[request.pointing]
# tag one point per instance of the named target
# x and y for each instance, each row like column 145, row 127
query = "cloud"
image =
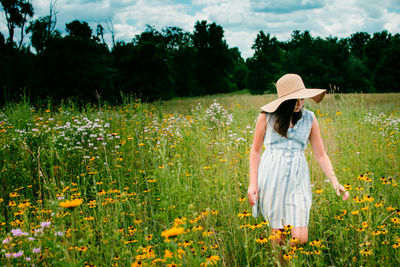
column 285, row 6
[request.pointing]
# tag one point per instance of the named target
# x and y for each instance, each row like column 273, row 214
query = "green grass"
column 141, row 169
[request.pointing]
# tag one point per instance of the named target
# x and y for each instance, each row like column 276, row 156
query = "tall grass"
column 182, row 165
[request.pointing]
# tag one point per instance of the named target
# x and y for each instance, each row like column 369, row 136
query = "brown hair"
column 283, row 114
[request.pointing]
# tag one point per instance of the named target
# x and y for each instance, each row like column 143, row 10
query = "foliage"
column 160, row 65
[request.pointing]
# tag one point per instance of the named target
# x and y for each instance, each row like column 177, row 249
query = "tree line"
column 173, row 62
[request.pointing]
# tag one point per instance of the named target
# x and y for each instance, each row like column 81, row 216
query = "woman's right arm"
column 258, row 140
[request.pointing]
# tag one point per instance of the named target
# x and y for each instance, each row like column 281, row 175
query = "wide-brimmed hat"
column 291, row 86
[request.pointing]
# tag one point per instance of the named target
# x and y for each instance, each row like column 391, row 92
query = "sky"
column 240, row 19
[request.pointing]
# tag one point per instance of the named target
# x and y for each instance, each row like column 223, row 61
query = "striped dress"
column 283, row 175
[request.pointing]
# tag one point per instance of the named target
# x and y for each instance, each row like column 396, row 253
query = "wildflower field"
column 165, row 184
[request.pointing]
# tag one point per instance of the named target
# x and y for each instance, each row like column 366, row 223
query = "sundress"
column 283, row 175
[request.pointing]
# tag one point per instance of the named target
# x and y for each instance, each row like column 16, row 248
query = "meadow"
column 165, row 184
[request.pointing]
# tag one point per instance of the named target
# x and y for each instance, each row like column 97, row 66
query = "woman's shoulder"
column 308, row 114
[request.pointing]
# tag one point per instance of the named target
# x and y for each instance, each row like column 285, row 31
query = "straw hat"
column 291, row 86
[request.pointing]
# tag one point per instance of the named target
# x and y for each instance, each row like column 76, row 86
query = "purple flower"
column 7, row 240
column 31, row 238
column 8, row 255
column 18, row 232
column 28, row 259
column 39, row 231
column 58, row 233
column 45, row 224
column 17, row 254
column 36, row 250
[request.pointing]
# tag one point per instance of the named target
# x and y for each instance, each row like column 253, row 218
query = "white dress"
column 283, row 175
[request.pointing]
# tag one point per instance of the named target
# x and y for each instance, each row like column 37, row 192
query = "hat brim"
column 316, row 94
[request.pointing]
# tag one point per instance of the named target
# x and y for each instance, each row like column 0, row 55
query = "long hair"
column 283, row 115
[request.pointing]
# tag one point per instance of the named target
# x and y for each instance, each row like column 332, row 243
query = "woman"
column 280, row 181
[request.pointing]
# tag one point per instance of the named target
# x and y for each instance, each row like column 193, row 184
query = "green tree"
column 386, row 73
column 357, row 42
column 42, row 30
column 74, row 66
column 142, row 67
column 79, row 29
column 214, row 64
column 265, row 67
column 16, row 13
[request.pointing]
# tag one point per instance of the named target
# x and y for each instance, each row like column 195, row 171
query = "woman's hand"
column 252, row 194
column 339, row 189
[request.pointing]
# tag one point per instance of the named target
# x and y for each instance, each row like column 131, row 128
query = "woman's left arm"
column 323, row 159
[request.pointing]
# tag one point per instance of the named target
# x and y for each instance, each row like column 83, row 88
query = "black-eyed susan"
column 137, row 264
column 255, row 226
column 262, row 240
column 368, row 198
column 366, row 252
column 208, row 233
column 172, row 232
column 376, row 232
column 210, row 260
column 287, row 257
column 395, row 220
column 396, row 245
column 382, row 226
column 338, row 217
column 347, row 187
column 385, row 242
column 70, row 204
column 244, row 214
column 185, row 243
column 168, row 254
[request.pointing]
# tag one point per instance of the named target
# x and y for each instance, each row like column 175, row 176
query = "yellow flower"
column 137, row 263
column 168, row 254
column 368, row 198
column 395, row 220
column 376, row 232
column 287, row 257
column 71, row 203
column 172, row 232
column 396, row 245
column 207, row 233
column 262, row 240
column 244, row 214
column 319, row 191
column 211, row 260
column 366, row 252
column 355, row 212
column 254, row 226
